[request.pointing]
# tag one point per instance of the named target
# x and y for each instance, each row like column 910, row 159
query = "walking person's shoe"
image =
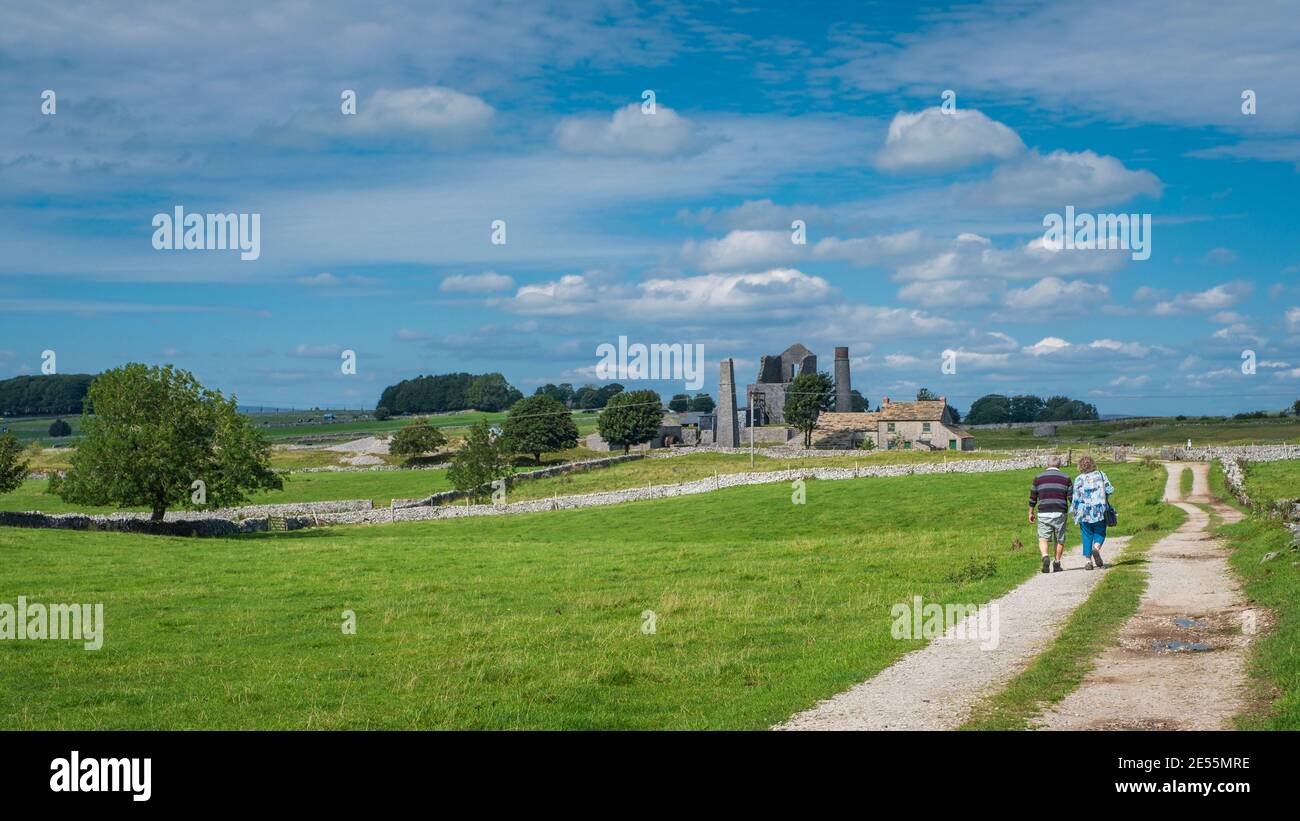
column 1056, row 567
column 1047, row 565
column 1087, row 563
column 1096, row 557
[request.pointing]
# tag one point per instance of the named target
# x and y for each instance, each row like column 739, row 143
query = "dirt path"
column 1180, row 660
column 936, row 687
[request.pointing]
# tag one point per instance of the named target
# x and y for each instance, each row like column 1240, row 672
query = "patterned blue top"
column 1089, row 498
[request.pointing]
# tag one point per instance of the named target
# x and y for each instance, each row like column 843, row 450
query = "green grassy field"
column 529, row 621
column 381, row 487
column 1151, row 432
column 704, row 465
column 1268, row 482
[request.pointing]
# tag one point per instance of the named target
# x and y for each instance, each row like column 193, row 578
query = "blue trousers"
column 1093, row 534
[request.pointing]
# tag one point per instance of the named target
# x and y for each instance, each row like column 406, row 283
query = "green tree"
column 926, row 395
column 1026, row 408
column 679, row 403
column 808, row 395
column 13, row 468
column 858, row 402
column 382, row 413
column 537, row 425
column 480, row 461
column 703, row 403
column 630, row 418
column 991, row 409
column 151, row 432
column 59, row 428
column 416, row 440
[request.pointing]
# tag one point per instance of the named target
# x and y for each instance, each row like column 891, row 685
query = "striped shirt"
column 1050, row 492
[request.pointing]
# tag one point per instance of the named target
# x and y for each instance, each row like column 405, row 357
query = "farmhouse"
column 922, row 425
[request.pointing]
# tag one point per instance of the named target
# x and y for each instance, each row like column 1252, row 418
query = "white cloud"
column 740, row 250
column 428, row 112
column 868, row 250
column 1052, row 292
column 1217, row 298
column 932, row 140
column 1046, row 345
column 1130, row 381
column 947, row 293
column 316, row 351
column 484, row 283
column 777, row 292
column 630, row 132
column 1221, row 256
column 1293, row 320
column 1061, row 178
column 328, row 280
column 971, row 256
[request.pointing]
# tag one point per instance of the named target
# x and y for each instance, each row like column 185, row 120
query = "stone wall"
column 719, row 482
column 542, row 473
column 128, row 523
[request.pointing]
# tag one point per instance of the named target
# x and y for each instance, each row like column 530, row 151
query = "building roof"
column 923, row 411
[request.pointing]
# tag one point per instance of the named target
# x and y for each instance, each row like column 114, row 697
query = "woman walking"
column 1090, row 501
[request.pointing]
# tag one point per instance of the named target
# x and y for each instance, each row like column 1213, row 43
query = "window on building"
column 907, row 445
column 891, row 427
column 952, row 444
column 925, row 427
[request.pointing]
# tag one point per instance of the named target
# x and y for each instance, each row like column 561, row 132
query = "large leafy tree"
column 679, row 403
column 537, row 425
column 806, row 397
column 703, row 403
column 858, row 402
column 630, row 418
column 416, row 440
column 13, row 468
column 1027, row 408
column 151, row 432
column 991, row 409
column 481, row 460
column 926, row 395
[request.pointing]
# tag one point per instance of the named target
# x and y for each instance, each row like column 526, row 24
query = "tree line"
column 449, row 392
column 995, row 408
column 44, row 395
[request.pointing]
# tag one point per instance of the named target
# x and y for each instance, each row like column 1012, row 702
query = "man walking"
column 1049, row 501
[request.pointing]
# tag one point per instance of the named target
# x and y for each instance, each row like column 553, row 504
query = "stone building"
column 923, row 425
column 775, row 373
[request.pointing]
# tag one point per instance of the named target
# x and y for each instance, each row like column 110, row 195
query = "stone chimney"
column 884, row 401
column 726, row 433
column 843, row 401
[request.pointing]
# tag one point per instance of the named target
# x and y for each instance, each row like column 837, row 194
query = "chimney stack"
column 843, row 399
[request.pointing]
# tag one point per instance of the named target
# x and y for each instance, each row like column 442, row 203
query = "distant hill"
column 44, row 395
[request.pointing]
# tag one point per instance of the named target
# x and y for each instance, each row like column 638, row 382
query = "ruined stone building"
column 775, row 373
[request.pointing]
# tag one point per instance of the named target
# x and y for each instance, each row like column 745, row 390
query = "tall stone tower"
column 727, row 434
column 843, row 400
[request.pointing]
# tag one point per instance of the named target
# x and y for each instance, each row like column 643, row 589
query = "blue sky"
column 924, row 227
